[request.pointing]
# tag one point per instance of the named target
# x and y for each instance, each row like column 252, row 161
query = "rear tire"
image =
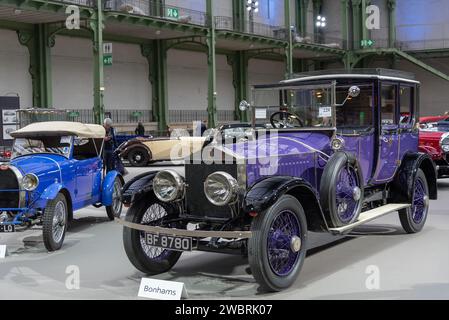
column 149, row 260
column 113, row 211
column 413, row 218
column 54, row 223
column 277, row 249
column 138, row 157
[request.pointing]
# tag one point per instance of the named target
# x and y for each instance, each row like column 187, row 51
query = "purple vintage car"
column 336, row 154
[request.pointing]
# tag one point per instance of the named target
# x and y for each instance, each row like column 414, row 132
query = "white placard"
column 161, row 289
column 107, row 48
column 2, row 251
column 325, row 112
column 261, row 113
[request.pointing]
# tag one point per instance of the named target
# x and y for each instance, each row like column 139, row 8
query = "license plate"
column 169, row 242
column 7, row 228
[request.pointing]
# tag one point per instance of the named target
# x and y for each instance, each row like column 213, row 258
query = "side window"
column 357, row 113
column 84, row 149
column 406, row 102
column 388, row 105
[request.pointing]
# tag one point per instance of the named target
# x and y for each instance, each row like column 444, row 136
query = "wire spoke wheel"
column 282, row 232
column 153, row 213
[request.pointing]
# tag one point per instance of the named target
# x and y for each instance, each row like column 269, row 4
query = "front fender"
column 266, row 192
column 108, row 187
column 51, row 191
column 138, row 187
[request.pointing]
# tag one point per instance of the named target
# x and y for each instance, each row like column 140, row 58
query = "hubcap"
column 295, row 244
column 59, row 218
column 138, row 157
column 284, row 243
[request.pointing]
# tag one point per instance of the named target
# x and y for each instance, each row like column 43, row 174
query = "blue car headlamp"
column 30, row 182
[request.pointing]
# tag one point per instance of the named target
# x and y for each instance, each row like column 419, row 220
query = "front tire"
column 150, row 260
column 413, row 218
column 54, row 223
column 277, row 249
column 114, row 210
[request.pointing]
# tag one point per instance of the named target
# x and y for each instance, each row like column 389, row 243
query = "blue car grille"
column 9, row 189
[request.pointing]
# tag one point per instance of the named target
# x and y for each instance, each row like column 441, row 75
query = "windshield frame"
column 284, row 88
column 67, row 156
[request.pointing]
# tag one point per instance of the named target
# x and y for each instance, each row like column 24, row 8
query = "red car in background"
column 5, row 155
column 434, row 140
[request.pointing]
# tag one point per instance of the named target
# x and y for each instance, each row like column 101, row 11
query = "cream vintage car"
column 142, row 151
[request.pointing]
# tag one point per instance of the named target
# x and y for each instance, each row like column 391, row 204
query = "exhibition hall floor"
column 376, row 261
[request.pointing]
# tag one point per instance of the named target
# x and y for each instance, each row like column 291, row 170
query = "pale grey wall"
column 423, row 24
column 14, row 64
column 126, row 81
column 187, row 81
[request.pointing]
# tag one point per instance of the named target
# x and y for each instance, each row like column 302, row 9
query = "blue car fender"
column 108, row 187
column 51, row 191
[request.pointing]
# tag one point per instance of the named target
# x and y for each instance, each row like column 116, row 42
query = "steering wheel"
column 284, row 119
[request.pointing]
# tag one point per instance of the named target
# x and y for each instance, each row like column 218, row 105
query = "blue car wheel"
column 54, row 222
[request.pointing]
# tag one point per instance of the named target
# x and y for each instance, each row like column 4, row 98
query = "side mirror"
column 244, row 105
column 353, row 92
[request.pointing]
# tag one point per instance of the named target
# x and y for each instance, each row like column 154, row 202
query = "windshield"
column 60, row 145
column 312, row 105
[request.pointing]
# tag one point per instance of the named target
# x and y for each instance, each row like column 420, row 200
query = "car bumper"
column 187, row 233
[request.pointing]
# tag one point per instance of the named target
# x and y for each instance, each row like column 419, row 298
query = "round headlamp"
column 337, row 144
column 221, row 188
column 30, row 182
column 168, row 186
column 444, row 142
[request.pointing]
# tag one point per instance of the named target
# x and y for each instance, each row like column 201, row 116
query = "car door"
column 388, row 155
column 88, row 173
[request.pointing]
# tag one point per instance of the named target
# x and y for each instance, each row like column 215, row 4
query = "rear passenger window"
column 406, row 103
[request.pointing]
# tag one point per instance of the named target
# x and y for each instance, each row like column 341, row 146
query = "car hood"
column 39, row 164
column 281, row 144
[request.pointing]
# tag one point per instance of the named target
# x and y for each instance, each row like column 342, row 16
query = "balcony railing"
column 185, row 116
column 86, row 3
column 228, row 23
column 157, row 9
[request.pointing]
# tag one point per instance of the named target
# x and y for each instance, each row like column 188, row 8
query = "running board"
column 370, row 215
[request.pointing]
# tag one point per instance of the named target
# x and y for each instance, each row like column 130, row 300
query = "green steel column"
column 39, row 43
column 289, row 49
column 301, row 16
column 363, row 19
column 392, row 23
column 356, row 24
column 239, row 63
column 211, row 66
column 96, row 24
column 156, row 54
column 238, row 15
column 344, row 22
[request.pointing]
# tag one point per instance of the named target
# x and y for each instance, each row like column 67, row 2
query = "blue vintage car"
column 337, row 155
column 55, row 170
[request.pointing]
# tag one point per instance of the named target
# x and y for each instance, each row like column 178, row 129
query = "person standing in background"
column 140, row 130
column 110, row 144
column 203, row 127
